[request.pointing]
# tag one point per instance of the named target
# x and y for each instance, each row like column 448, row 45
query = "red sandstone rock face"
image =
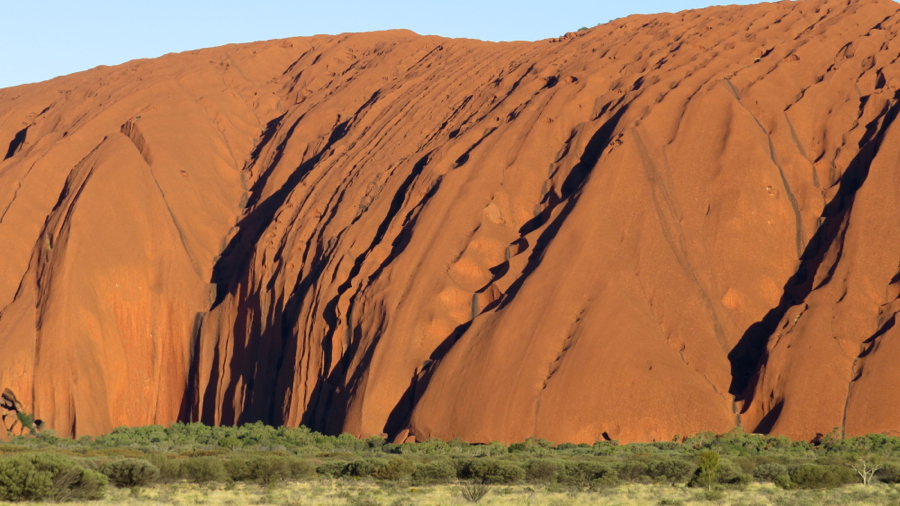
column 662, row 225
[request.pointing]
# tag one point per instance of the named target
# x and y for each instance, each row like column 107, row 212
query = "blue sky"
column 42, row 39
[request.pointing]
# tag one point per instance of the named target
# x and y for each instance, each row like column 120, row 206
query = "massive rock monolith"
column 662, row 225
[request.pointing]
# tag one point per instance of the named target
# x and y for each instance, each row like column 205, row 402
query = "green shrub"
column 394, row 470
column 768, row 472
column 633, row 471
column 333, row 469
column 671, row 470
column 205, row 453
column 391, row 448
column 714, row 470
column 301, row 468
column 503, row 472
column 363, row 467
column 129, row 473
column 496, row 448
column 26, row 420
column 819, row 476
column 606, row 447
column 268, row 469
column 49, row 476
column 730, row 473
column 79, row 484
column 889, row 473
column 544, row 470
column 430, row 447
column 474, row 491
column 530, row 445
column 202, row 470
column 237, row 469
column 70, row 480
column 713, row 495
column 230, row 442
column 588, row 475
column 170, row 469
column 20, row 480
column 434, row 473
column 376, row 441
column 490, row 471
column 783, row 481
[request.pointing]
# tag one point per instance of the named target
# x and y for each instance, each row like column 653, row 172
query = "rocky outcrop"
column 11, row 414
column 662, row 225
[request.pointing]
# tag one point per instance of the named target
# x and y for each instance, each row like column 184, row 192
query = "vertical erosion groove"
column 570, row 193
column 334, row 375
column 749, row 353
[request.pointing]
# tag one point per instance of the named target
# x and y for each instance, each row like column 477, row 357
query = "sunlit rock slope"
column 662, row 225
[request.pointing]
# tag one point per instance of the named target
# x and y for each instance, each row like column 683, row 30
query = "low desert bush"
column 301, row 468
column 769, row 472
column 731, row 474
column 822, row 476
column 364, row 467
column 589, row 475
column 544, row 470
column 170, row 469
column 202, row 470
column 474, row 491
column 50, row 477
column 396, row 469
column 268, row 469
column 20, row 480
column 130, row 473
column 889, row 473
column 332, row 469
column 237, row 469
column 633, row 471
column 671, row 470
column 434, row 473
column 485, row 470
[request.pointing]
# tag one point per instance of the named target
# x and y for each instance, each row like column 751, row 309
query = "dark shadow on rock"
column 401, row 414
column 750, row 352
column 238, row 253
column 16, row 143
column 870, row 343
column 327, row 408
column 257, row 355
column 765, row 425
column 570, row 193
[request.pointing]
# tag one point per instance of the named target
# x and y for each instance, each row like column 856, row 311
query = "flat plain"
column 343, row 492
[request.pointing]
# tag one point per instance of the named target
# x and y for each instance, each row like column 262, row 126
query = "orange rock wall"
column 662, row 225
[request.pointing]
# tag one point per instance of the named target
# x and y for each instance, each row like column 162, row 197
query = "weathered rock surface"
column 663, row 225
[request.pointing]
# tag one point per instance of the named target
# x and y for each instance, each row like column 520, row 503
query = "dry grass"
column 367, row 493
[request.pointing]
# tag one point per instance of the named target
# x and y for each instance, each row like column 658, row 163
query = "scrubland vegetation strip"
column 706, row 465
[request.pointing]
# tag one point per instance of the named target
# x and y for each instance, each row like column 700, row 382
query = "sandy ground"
column 361, row 493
